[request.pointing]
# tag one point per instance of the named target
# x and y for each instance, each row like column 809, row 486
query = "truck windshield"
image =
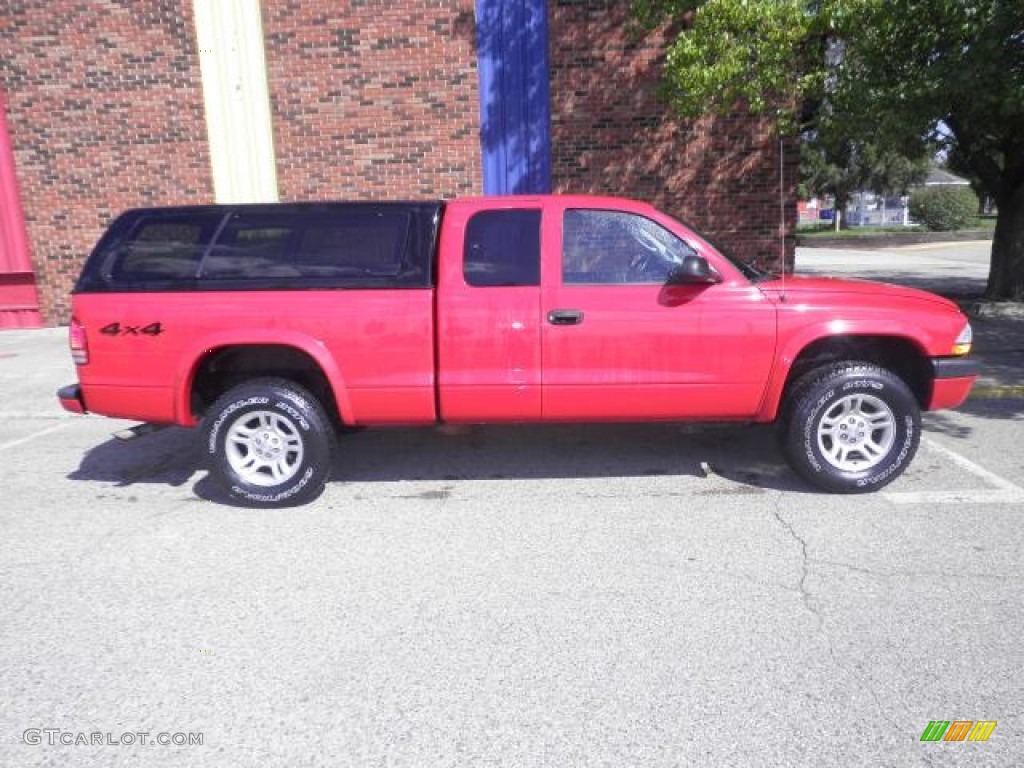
column 752, row 272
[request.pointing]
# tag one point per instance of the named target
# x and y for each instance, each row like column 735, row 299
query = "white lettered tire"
column 268, row 443
column 851, row 427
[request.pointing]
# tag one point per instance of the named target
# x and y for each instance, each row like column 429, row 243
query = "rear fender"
column 194, row 354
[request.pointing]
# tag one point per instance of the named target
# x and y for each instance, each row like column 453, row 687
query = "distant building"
column 867, row 209
column 940, row 178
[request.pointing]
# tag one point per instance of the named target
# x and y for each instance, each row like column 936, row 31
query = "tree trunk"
column 1006, row 273
column 842, row 199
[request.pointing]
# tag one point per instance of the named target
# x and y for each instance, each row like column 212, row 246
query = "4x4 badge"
column 116, row 329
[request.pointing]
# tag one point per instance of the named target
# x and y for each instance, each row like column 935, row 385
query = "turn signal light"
column 962, row 345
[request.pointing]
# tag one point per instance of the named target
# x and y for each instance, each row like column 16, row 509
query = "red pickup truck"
column 271, row 326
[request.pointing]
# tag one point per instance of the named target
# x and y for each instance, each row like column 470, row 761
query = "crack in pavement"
column 805, row 595
column 883, row 575
column 808, row 601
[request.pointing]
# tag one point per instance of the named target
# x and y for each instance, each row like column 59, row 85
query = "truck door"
column 620, row 344
column 488, row 312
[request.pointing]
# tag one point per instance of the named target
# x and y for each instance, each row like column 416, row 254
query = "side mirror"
column 694, row 270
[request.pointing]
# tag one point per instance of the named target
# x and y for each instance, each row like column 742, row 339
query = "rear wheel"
column 269, row 443
column 851, row 427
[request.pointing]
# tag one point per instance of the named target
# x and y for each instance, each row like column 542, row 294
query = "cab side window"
column 616, row 248
column 503, row 248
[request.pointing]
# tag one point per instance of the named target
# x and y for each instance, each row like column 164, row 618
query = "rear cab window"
column 502, row 248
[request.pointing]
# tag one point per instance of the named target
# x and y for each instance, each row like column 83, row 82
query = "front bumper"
column 955, row 367
column 952, row 379
column 71, row 398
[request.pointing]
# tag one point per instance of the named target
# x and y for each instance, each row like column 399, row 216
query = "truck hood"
column 809, row 289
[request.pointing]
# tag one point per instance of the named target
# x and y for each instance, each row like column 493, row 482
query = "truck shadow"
column 747, row 455
column 167, row 456
column 742, row 453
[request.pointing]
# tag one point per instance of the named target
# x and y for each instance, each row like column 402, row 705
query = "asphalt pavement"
column 611, row 595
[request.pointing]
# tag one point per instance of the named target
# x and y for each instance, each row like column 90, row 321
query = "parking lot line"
column 33, row 436
column 956, row 497
column 1007, row 492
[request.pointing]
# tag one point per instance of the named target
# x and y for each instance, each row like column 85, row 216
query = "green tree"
column 895, row 73
column 840, row 166
column 943, row 209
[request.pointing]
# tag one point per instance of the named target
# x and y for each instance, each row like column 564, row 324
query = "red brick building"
column 117, row 104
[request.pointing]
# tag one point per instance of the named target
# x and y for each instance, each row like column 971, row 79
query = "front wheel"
column 268, row 443
column 851, row 428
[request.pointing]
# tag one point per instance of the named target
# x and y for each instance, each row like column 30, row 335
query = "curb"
column 891, row 239
column 997, row 392
column 982, row 308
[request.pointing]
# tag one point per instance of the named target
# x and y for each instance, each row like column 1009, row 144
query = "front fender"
column 791, row 346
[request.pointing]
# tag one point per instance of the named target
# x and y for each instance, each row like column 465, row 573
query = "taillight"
column 78, row 342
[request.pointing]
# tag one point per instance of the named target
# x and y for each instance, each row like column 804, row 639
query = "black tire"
column 851, row 427
column 268, row 443
column 794, row 393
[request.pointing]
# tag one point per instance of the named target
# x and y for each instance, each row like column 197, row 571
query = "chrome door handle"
column 565, row 317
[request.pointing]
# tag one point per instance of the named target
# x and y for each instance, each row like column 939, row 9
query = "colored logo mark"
column 958, row 730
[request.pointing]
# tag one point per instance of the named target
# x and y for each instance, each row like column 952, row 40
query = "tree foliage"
column 893, row 74
column 943, row 209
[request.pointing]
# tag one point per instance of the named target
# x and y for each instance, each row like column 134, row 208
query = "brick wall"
column 374, row 99
column 611, row 134
column 104, row 105
column 370, row 99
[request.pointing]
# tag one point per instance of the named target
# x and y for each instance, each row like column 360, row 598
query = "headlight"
column 962, row 345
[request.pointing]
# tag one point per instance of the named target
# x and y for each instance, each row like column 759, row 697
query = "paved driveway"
column 955, row 269
column 521, row 596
